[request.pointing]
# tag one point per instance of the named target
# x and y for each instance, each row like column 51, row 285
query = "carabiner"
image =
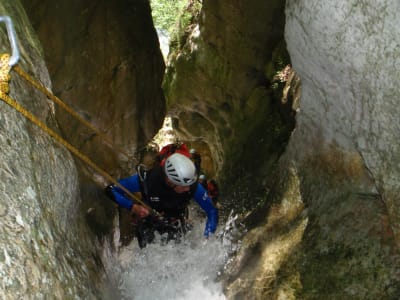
column 13, row 39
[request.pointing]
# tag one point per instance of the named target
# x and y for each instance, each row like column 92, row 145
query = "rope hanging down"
column 68, row 109
column 4, row 90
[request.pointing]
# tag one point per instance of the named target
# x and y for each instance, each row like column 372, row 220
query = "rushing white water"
column 185, row 271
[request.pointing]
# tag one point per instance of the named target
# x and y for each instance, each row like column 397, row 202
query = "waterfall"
column 163, row 38
column 188, row 270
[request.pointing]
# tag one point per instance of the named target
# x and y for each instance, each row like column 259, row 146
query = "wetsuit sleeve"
column 202, row 198
column 131, row 184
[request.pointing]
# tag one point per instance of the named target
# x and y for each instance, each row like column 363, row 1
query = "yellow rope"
column 4, row 90
column 4, row 73
column 58, row 101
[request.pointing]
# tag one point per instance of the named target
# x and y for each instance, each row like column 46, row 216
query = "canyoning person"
column 196, row 158
column 167, row 189
column 211, row 187
column 213, row 191
column 203, row 181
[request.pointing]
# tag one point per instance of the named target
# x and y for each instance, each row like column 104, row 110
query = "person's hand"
column 140, row 210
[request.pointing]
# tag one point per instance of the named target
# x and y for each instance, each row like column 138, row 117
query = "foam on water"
column 185, row 271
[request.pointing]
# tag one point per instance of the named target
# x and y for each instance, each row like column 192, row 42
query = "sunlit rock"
column 344, row 146
column 46, row 251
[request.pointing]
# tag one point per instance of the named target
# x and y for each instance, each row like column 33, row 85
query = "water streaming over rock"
column 163, row 38
column 188, row 270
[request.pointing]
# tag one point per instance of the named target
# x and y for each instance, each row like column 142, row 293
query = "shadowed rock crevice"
column 223, row 81
column 105, row 61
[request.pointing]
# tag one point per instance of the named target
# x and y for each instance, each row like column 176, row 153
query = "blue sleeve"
column 202, row 198
column 131, row 184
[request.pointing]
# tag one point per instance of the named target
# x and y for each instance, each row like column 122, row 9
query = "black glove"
column 108, row 190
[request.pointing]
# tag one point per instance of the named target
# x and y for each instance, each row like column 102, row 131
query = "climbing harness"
column 6, row 63
column 141, row 170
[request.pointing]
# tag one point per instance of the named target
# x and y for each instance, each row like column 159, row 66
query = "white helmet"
column 202, row 177
column 180, row 170
column 192, row 151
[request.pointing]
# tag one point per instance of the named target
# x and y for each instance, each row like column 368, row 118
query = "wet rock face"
column 104, row 61
column 45, row 249
column 330, row 226
column 344, row 148
column 111, row 74
column 219, row 86
column 345, row 54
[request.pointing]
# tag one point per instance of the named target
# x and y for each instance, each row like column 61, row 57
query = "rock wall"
column 104, row 61
column 332, row 213
column 219, row 85
column 344, row 147
column 349, row 79
column 327, row 223
column 46, row 251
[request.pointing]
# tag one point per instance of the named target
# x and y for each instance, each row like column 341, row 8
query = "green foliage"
column 166, row 12
column 184, row 25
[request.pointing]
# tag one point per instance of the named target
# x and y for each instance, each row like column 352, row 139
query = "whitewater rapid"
column 188, row 270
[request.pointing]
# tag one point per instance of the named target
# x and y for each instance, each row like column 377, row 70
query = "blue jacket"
column 198, row 192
